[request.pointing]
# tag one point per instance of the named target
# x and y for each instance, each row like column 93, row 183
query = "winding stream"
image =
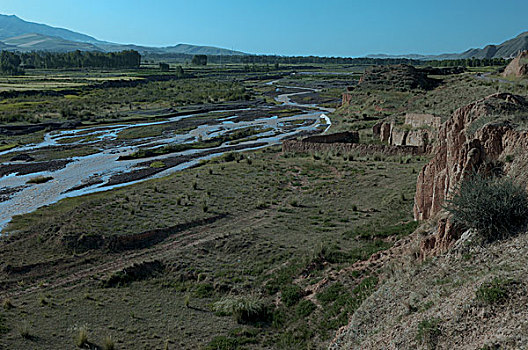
column 89, row 174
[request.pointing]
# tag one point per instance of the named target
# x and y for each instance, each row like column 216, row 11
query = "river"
column 91, row 173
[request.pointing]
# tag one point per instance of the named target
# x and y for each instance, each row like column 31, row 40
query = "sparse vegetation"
column 157, row 164
column 40, row 180
column 236, row 233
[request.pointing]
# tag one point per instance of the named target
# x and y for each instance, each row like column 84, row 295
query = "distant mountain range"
column 507, row 49
column 19, row 35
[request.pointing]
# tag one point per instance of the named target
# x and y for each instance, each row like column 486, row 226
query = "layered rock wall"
column 420, row 120
column 401, row 136
column 458, row 154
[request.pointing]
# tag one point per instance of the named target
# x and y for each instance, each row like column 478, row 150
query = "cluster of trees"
column 165, row 67
column 469, row 62
column 14, row 62
column 199, row 60
column 81, row 59
column 272, row 60
column 249, row 60
column 9, row 63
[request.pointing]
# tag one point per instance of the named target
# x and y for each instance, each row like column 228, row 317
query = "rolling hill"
column 507, row 49
column 17, row 34
column 13, row 26
column 39, row 42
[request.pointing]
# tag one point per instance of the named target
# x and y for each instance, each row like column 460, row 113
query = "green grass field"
column 285, row 221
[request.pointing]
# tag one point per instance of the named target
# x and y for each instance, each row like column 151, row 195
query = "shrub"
column 157, row 164
column 494, row 207
column 305, row 308
column 108, row 343
column 39, row 180
column 23, row 330
column 245, row 309
column 493, row 292
column 291, row 294
column 7, row 304
column 203, row 290
column 3, row 326
column 229, row 157
column 222, row 343
column 331, row 293
column 81, row 339
column 428, row 332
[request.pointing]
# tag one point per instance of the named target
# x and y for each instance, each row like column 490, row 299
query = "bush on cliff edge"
column 495, row 207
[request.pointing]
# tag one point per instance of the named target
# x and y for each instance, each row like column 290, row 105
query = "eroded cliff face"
column 518, row 67
column 465, row 145
column 484, row 136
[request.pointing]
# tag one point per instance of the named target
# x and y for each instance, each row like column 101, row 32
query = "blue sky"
column 288, row 27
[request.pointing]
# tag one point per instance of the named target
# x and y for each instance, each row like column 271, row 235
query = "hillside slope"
column 12, row 26
column 38, row 42
column 467, row 296
column 508, row 49
column 17, row 34
column 439, row 305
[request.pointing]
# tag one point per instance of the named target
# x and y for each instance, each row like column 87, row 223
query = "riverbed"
column 84, row 174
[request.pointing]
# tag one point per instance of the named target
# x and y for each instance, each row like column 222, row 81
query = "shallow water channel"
column 92, row 173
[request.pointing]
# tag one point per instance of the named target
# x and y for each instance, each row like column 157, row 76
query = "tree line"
column 15, row 62
column 283, row 60
column 469, row 62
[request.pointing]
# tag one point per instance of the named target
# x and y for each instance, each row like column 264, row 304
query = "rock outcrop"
column 518, row 67
column 465, row 147
column 399, row 77
column 418, row 130
column 420, row 120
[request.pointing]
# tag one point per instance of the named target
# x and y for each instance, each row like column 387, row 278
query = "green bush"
column 203, row 290
column 222, row 343
column 493, row 292
column 237, row 339
column 428, row 332
column 331, row 293
column 495, row 207
column 305, row 308
column 291, row 294
column 3, row 326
